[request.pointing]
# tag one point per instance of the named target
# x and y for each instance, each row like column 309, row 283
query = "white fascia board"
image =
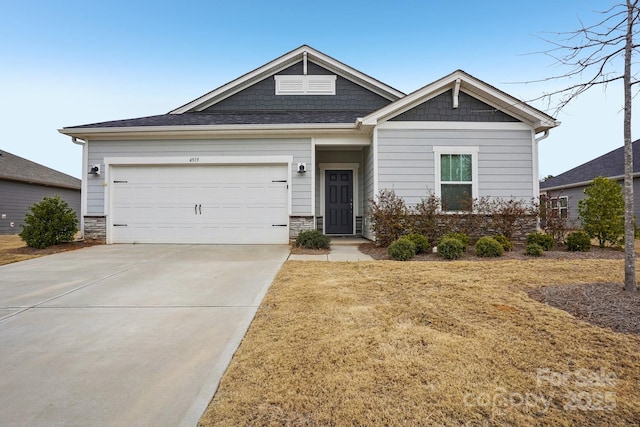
column 167, row 132
column 279, row 64
column 454, row 126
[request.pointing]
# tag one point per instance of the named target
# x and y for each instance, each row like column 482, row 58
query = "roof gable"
column 303, row 53
column 439, row 108
column 610, row 165
column 461, row 82
column 14, row 168
column 261, row 96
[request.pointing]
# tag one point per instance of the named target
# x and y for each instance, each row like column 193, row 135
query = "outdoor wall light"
column 94, row 170
column 302, row 167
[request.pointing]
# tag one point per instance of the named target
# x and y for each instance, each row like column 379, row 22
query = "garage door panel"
column 199, row 204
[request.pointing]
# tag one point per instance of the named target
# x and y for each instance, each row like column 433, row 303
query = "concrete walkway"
column 342, row 249
column 125, row 335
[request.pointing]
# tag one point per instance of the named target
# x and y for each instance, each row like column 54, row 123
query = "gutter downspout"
column 83, row 185
column 544, row 136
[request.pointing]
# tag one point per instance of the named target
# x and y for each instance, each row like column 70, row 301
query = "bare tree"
column 592, row 55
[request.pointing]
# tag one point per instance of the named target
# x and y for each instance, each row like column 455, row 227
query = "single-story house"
column 302, row 142
column 23, row 183
column 567, row 189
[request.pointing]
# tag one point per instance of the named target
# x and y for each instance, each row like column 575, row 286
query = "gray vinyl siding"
column 505, row 161
column 300, row 149
column 17, row 197
column 339, row 157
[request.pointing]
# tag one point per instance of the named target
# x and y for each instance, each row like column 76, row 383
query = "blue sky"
column 67, row 63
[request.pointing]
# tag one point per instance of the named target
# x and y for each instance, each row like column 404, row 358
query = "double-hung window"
column 560, row 206
column 456, row 177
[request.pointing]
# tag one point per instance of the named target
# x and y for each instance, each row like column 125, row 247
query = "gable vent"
column 305, row 85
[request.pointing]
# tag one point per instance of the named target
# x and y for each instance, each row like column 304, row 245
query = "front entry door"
column 338, row 202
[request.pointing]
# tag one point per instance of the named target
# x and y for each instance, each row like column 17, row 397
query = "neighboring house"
column 567, row 189
column 303, row 142
column 23, row 183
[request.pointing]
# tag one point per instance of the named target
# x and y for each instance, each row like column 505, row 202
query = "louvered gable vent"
column 305, row 85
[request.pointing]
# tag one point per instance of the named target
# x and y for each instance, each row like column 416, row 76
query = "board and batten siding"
column 505, row 160
column 299, row 148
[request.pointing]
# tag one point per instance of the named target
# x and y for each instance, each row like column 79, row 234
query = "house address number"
column 194, row 159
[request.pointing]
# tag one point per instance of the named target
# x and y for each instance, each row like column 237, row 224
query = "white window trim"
column 472, row 150
column 354, row 167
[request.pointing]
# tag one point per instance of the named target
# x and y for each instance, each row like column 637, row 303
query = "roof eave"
column 205, row 131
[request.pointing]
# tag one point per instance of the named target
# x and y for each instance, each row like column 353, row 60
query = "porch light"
column 302, row 167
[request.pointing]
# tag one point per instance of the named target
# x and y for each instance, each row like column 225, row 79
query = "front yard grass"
column 431, row 343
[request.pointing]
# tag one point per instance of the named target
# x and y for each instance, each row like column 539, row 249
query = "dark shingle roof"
column 235, row 118
column 607, row 165
column 16, row 168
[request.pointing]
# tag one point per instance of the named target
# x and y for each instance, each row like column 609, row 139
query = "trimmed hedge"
column 545, row 241
column 450, row 248
column 488, row 247
column 533, row 249
column 421, row 242
column 463, row 237
column 507, row 244
column 578, row 241
column 402, row 249
column 313, row 239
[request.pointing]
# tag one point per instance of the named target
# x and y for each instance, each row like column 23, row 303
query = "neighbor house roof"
column 14, row 168
column 610, row 165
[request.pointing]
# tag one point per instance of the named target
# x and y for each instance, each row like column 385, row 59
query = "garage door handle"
column 196, row 209
column 200, row 209
column 278, row 225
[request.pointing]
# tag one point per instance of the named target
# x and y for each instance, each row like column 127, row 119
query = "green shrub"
column 488, row 247
column 602, row 211
column 545, row 241
column 312, row 239
column 421, row 242
column 402, row 249
column 578, row 241
column 504, row 241
column 49, row 222
column 533, row 249
column 450, row 248
column 464, row 239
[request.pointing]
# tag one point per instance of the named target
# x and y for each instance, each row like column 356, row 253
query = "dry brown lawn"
column 429, row 343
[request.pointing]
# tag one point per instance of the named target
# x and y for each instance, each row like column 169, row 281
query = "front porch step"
column 347, row 240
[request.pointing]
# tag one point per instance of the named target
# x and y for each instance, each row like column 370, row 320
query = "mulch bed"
column 602, row 304
column 380, row 253
column 62, row 247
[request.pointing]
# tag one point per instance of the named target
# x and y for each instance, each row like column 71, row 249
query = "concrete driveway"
column 135, row 335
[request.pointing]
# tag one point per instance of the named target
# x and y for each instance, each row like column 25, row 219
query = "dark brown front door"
column 338, row 202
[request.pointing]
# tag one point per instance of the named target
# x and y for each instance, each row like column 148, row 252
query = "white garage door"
column 217, row 204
